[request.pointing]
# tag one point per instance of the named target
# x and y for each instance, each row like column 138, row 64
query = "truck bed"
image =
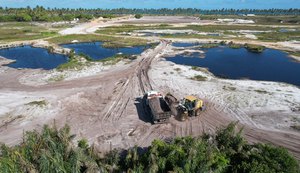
column 159, row 108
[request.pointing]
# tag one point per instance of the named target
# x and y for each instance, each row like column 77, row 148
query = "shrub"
column 138, row 16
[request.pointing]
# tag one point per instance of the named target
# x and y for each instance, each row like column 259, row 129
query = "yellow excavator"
column 187, row 107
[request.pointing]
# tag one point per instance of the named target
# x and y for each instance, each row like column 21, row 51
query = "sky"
column 202, row 4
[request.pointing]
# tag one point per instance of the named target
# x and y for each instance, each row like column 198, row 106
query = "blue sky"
column 203, row 4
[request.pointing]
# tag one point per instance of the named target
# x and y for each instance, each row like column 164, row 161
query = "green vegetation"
column 229, row 88
column 177, row 69
column 24, row 31
column 39, row 13
column 41, row 103
column 254, row 48
column 109, row 41
column 279, row 36
column 199, row 78
column 259, row 19
column 52, row 151
column 73, row 63
column 130, row 28
column 296, row 127
column 138, row 16
column 218, row 28
column 205, row 70
column 57, row 78
column 117, row 58
column 110, row 16
column 235, row 46
column 261, row 91
column 80, row 37
column 273, row 35
column 210, row 45
column 196, row 68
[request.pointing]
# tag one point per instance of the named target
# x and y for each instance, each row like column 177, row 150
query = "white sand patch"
column 235, row 21
column 44, row 77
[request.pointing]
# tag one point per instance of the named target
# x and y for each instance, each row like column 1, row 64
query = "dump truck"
column 187, row 107
column 160, row 111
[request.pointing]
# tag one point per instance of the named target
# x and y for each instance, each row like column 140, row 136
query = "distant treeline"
column 40, row 13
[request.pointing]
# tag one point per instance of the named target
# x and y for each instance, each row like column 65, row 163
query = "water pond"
column 30, row 57
column 97, row 52
column 270, row 65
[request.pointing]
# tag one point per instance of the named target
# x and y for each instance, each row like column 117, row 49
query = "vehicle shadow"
column 142, row 109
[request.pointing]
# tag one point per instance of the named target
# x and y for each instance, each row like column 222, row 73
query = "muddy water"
column 96, row 51
column 30, row 57
column 270, row 65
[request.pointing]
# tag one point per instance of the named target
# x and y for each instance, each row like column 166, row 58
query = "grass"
column 259, row 19
column 80, row 37
column 229, row 88
column 210, row 45
column 177, row 69
column 274, row 35
column 205, row 70
column 254, row 48
column 57, row 78
column 199, row 78
column 109, row 41
column 117, row 58
column 279, row 36
column 217, row 28
column 41, row 103
column 296, row 127
column 73, row 63
column 14, row 31
column 261, row 91
column 130, row 28
column 235, row 46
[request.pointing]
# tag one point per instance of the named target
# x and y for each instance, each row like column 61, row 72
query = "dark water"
column 30, row 57
column 270, row 65
column 97, row 52
column 182, row 44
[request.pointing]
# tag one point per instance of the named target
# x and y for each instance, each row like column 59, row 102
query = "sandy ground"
column 104, row 105
column 166, row 20
column 94, row 25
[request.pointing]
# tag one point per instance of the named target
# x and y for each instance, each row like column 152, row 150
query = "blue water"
column 270, row 65
column 97, row 52
column 30, row 57
column 182, row 44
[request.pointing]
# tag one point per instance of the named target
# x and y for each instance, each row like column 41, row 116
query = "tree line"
column 52, row 151
column 40, row 13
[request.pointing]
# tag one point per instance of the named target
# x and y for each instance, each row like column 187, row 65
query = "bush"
column 138, row 16
column 51, row 150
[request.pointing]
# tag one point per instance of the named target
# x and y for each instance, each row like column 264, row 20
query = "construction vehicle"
column 187, row 107
column 191, row 105
column 160, row 111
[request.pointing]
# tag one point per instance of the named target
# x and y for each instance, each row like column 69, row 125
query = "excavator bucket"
column 182, row 113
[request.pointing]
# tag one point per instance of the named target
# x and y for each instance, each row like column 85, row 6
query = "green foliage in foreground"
column 51, row 151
